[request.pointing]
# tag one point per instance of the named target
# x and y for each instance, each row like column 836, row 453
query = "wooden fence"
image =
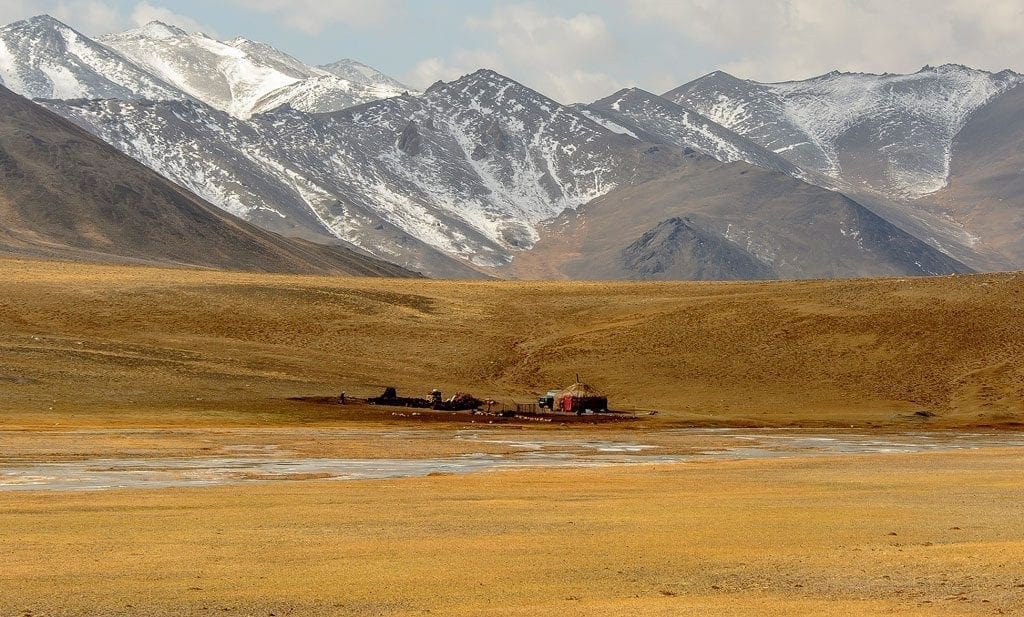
column 519, row 408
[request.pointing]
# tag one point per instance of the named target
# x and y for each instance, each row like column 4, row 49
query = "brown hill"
column 65, row 194
column 171, row 342
column 726, row 221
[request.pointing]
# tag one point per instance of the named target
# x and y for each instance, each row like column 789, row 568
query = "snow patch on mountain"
column 240, row 76
column 8, row 75
column 658, row 119
column 615, row 127
column 360, row 73
column 752, row 242
column 833, row 123
column 213, row 72
column 470, row 168
column 43, row 58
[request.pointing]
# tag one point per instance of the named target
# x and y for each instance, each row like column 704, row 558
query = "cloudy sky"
column 576, row 50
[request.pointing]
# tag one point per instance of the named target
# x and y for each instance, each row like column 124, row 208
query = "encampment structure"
column 580, row 398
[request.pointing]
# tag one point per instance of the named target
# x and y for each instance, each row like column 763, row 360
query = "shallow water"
column 159, row 473
column 266, row 462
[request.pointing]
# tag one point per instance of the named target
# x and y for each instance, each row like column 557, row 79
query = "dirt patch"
column 358, row 411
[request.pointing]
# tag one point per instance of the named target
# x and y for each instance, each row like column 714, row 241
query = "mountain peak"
column 495, row 88
column 354, row 70
column 953, row 67
column 714, row 77
column 486, row 72
column 640, row 93
column 717, row 73
column 627, row 95
column 485, row 79
column 44, row 21
column 477, row 80
column 913, row 118
column 154, row 30
column 948, row 67
column 347, row 63
column 160, row 29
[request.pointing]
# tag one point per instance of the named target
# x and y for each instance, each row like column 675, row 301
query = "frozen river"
column 478, row 451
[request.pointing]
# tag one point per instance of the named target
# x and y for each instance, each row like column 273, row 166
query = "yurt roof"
column 580, row 389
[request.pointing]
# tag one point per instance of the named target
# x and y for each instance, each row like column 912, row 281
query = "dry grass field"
column 195, row 353
column 920, row 534
column 148, row 344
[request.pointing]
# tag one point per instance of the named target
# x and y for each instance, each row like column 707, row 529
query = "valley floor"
column 133, row 372
column 173, row 345
column 909, row 533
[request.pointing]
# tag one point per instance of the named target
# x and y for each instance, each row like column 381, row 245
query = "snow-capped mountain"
column 652, row 118
column 232, row 164
column 466, row 170
column 243, row 77
column 470, row 167
column 67, row 195
column 43, row 58
column 360, row 73
column 466, row 177
column 891, row 134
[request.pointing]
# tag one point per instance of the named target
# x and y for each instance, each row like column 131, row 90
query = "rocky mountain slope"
column 446, row 182
column 708, row 220
column 890, row 134
column 43, row 58
column 360, row 73
column 462, row 179
column 652, row 118
column 65, row 194
column 465, row 179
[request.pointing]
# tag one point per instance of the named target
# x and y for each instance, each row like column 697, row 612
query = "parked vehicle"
column 548, row 400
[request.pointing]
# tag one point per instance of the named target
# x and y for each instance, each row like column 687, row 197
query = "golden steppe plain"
column 909, row 534
column 168, row 344
column 108, row 348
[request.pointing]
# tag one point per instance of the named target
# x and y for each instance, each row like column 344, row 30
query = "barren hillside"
column 98, row 338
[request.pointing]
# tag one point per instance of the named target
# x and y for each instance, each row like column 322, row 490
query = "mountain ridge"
column 466, row 177
column 837, row 124
column 64, row 194
column 640, row 111
column 424, row 176
column 241, row 76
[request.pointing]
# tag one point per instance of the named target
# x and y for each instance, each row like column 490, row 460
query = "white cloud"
column 429, row 70
column 316, row 16
column 559, row 56
column 89, row 16
column 13, row 10
column 793, row 39
column 459, row 63
column 94, row 17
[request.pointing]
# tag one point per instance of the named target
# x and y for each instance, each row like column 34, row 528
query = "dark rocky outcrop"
column 677, row 248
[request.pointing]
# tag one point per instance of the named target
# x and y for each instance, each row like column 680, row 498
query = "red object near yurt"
column 578, row 398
